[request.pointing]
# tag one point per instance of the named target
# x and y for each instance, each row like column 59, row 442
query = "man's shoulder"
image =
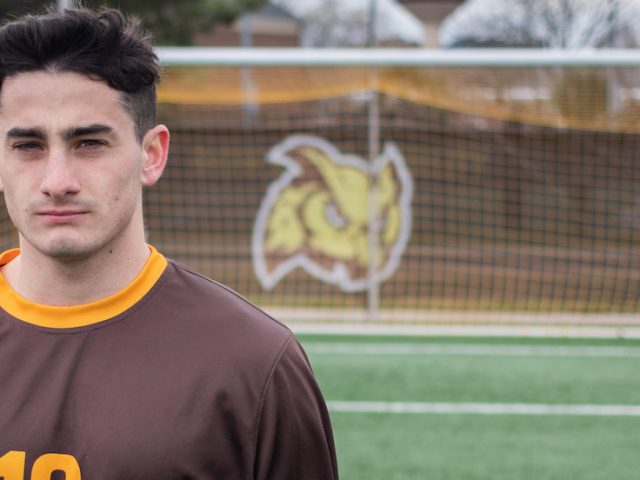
column 203, row 300
column 207, row 323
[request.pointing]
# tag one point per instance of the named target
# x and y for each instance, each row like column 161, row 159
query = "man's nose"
column 59, row 177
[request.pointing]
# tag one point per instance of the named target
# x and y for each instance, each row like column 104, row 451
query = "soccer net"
column 433, row 191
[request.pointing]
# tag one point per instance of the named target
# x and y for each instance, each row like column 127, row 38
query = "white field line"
column 562, row 331
column 483, row 408
column 360, row 316
column 576, row 351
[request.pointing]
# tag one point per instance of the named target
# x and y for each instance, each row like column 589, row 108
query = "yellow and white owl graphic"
column 316, row 215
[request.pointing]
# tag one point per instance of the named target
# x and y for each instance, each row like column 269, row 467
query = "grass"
column 377, row 446
column 462, row 447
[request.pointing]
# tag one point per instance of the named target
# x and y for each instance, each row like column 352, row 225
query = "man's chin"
column 66, row 251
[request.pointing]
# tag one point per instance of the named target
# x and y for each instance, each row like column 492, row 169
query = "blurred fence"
column 415, row 187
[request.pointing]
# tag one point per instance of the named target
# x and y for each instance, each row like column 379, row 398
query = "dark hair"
column 102, row 44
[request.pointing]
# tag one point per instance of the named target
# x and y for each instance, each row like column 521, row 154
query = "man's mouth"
column 62, row 215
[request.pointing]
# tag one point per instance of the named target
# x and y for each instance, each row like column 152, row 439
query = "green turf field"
column 479, row 408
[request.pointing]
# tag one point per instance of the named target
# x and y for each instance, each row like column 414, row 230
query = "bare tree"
column 350, row 23
column 544, row 23
column 328, row 25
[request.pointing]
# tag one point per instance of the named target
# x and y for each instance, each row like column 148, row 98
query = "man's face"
column 70, row 166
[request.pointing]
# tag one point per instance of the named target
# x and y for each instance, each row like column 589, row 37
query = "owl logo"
column 316, row 215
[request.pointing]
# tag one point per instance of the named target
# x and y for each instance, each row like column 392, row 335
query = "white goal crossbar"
column 390, row 57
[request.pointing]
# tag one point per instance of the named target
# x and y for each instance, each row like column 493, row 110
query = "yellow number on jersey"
column 12, row 466
column 51, row 462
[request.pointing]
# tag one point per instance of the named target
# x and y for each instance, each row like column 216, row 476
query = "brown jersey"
column 174, row 377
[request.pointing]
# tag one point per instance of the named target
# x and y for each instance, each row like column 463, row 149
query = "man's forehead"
column 60, row 101
column 48, row 87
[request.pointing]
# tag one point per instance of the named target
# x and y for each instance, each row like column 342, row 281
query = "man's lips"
column 61, row 215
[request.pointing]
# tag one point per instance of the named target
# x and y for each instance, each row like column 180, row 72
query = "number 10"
column 12, row 466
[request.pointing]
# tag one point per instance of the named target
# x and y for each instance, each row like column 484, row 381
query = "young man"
column 115, row 363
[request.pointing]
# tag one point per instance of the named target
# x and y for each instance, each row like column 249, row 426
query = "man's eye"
column 91, row 143
column 26, row 146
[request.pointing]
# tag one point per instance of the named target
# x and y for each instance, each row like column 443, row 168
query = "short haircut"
column 103, row 45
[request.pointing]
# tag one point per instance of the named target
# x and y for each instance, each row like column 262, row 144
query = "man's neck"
column 63, row 282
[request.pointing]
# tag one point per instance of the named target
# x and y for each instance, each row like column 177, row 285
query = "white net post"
column 373, row 292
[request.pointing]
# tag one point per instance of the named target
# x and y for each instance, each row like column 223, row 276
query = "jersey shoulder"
column 207, row 304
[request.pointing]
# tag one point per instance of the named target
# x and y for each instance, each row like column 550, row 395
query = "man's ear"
column 155, row 150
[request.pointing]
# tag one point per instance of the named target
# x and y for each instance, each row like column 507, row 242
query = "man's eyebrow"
column 18, row 132
column 96, row 128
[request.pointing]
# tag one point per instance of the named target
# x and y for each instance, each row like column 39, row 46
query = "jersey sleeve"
column 294, row 437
